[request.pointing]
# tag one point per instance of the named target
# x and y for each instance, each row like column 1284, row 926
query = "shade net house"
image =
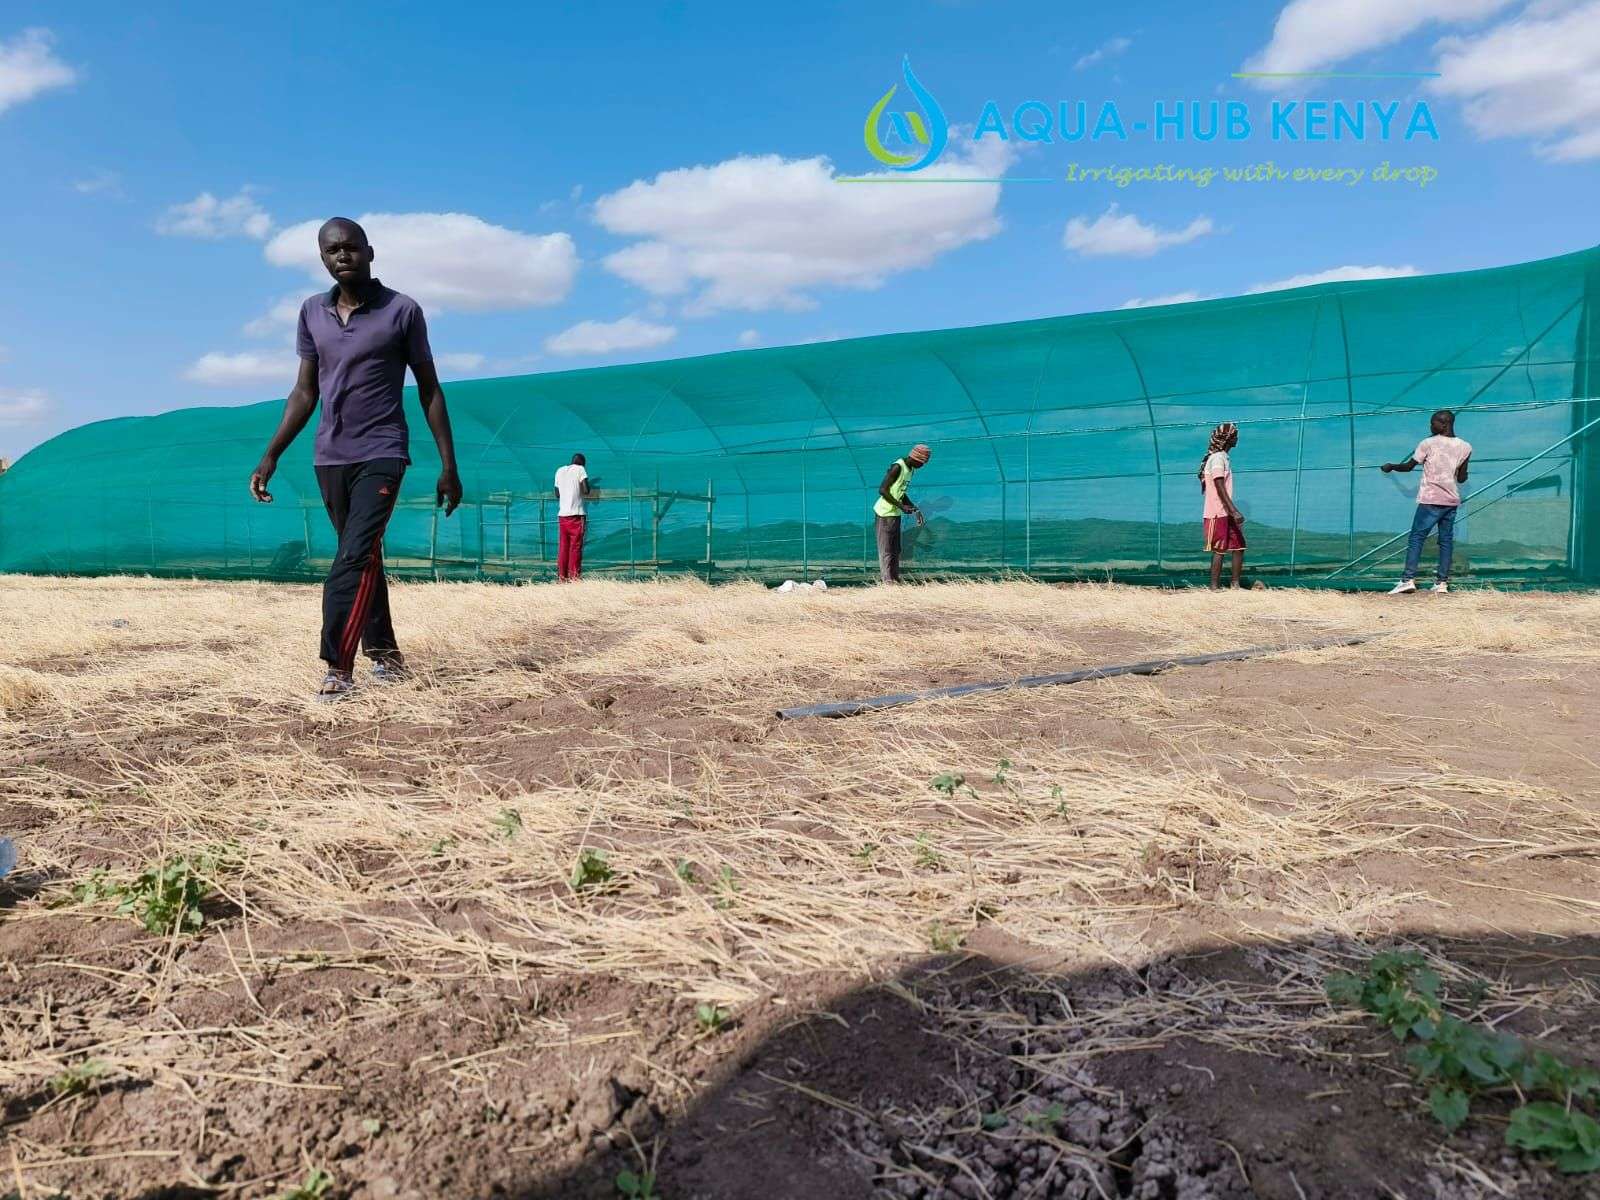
column 1065, row 447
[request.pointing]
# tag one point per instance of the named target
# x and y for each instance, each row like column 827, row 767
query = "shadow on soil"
column 899, row 1090
column 21, row 885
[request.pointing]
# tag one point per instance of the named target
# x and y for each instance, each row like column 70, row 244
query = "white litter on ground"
column 789, row 585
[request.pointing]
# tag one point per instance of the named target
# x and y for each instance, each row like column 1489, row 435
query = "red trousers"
column 569, row 555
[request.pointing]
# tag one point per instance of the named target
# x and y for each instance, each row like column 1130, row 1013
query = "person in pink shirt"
column 1221, row 519
column 1444, row 469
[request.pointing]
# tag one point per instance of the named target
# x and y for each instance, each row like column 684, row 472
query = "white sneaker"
column 1441, row 587
column 1404, row 588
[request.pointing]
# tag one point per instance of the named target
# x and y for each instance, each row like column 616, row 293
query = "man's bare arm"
column 297, row 410
column 1461, row 471
column 1410, row 464
column 447, row 493
column 889, row 477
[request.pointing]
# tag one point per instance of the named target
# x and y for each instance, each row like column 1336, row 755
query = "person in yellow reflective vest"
column 892, row 504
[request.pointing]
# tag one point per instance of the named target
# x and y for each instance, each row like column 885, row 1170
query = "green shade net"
column 1066, row 448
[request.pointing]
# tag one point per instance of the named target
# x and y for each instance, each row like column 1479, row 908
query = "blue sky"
column 564, row 189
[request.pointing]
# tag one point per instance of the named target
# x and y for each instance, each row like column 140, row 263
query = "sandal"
column 335, row 686
column 390, row 670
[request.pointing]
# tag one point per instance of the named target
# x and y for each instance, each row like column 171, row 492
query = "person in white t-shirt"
column 1444, row 468
column 572, row 487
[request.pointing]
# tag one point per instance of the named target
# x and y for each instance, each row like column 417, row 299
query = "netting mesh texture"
column 1065, row 447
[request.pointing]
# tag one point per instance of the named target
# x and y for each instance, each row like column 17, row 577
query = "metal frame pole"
column 710, row 499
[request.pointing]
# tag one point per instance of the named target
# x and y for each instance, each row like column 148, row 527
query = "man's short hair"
column 579, row 460
column 343, row 221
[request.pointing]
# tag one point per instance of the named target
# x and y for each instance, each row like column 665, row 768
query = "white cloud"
column 283, row 316
column 609, row 337
column 28, row 66
column 102, row 180
column 22, row 407
column 1536, row 75
column 448, row 260
column 1334, row 275
column 1105, row 50
column 1169, row 298
column 750, row 337
column 757, row 233
column 1123, row 235
column 1311, row 35
column 207, row 216
column 460, row 362
column 1533, row 74
column 246, row 369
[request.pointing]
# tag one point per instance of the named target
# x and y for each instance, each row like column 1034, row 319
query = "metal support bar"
column 710, row 499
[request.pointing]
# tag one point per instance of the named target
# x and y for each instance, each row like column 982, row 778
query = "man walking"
column 1444, row 468
column 355, row 342
column 892, row 504
column 572, row 487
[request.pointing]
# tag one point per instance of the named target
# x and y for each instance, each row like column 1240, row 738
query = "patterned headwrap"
column 920, row 454
column 1220, row 437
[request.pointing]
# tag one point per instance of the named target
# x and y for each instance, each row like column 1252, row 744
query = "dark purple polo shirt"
column 361, row 372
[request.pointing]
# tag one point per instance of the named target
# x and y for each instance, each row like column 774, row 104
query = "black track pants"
column 355, row 599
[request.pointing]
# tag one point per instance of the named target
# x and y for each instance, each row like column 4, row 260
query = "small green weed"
column 163, row 897
column 727, row 887
column 864, row 853
column 79, row 1077
column 509, row 823
column 637, row 1185
column 1061, row 803
column 372, row 1125
column 1000, row 777
column 710, row 1017
column 1568, row 1135
column 947, row 783
column 1460, row 1060
column 591, row 871
column 685, row 871
column 1041, row 1121
column 927, row 856
column 943, row 941
column 315, row 1187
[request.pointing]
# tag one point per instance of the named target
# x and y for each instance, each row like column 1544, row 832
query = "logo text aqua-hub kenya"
column 912, row 138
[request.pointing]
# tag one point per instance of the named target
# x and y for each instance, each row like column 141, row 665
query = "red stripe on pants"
column 358, row 611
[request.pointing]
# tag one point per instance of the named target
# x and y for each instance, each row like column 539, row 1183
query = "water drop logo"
column 908, row 127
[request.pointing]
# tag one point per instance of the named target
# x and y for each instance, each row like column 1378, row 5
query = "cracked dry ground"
column 1091, row 968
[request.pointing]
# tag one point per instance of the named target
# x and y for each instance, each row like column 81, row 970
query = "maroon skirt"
column 1223, row 534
